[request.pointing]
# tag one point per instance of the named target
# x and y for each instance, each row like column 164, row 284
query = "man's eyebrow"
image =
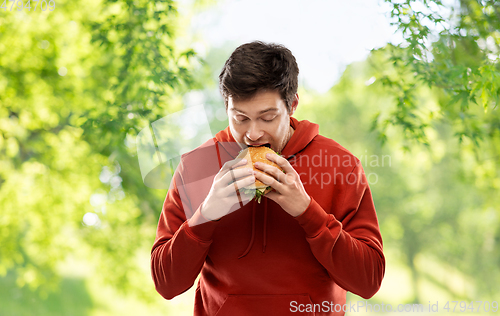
column 261, row 112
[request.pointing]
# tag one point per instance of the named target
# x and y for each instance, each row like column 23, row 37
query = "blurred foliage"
column 452, row 47
column 71, row 299
column 435, row 203
column 76, row 86
column 444, row 88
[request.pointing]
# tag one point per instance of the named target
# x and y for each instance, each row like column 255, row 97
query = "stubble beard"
column 286, row 139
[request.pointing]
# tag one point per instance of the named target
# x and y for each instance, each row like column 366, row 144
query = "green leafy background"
column 78, row 84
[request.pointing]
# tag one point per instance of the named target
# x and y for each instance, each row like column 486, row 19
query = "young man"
column 311, row 239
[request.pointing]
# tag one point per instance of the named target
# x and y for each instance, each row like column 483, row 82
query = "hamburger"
column 253, row 155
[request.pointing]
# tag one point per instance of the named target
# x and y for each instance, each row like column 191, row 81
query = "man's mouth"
column 260, row 145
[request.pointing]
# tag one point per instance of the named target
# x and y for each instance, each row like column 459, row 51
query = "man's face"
column 261, row 120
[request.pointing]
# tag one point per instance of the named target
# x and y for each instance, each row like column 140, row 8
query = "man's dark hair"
column 258, row 66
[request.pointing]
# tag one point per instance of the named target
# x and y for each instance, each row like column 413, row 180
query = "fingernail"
column 244, row 161
column 268, row 155
column 257, row 164
column 250, row 171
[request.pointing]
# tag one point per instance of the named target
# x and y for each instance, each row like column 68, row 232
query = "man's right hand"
column 223, row 197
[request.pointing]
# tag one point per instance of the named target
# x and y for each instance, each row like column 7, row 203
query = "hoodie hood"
column 305, row 132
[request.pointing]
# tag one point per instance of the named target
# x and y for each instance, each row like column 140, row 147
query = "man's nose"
column 254, row 132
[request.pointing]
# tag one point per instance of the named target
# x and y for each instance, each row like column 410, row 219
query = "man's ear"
column 295, row 103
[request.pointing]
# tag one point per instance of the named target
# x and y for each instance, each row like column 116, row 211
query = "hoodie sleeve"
column 349, row 246
column 179, row 249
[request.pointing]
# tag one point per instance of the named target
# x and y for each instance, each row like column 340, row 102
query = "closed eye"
column 241, row 118
column 269, row 120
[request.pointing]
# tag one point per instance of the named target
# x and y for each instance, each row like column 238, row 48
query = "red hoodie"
column 259, row 260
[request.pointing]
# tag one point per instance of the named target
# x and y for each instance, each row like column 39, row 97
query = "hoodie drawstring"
column 250, row 244
column 264, row 241
column 264, row 233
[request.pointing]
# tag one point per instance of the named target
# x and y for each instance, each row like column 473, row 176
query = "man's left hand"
column 288, row 191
